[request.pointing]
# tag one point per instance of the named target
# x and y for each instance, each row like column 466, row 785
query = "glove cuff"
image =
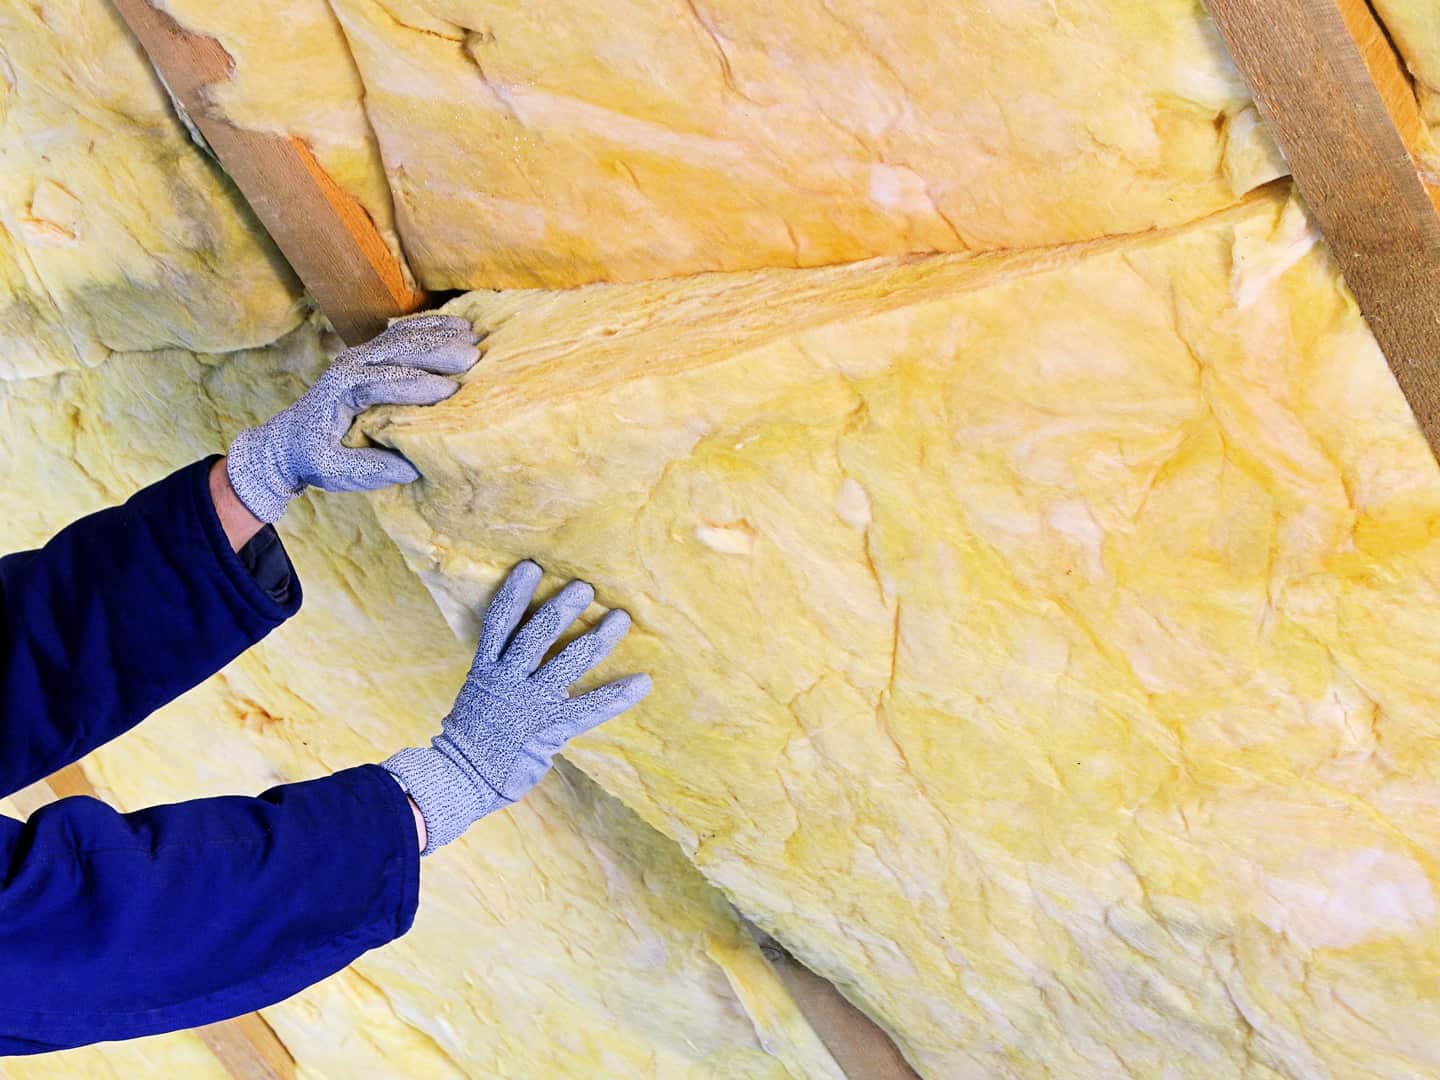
column 449, row 798
column 258, row 480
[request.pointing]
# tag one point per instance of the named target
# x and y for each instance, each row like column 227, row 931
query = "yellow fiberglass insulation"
column 1044, row 632
column 1045, row 644
column 559, row 938
column 116, row 232
column 548, row 143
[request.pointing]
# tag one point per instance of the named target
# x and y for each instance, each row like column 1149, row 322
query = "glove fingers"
column 507, row 609
column 391, row 385
column 544, row 628
column 367, row 469
column 591, row 710
column 585, row 652
column 446, row 344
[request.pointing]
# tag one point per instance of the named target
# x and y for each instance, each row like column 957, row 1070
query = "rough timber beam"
column 1342, row 109
column 325, row 234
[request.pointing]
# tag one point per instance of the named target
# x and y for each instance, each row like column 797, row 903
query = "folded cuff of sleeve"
column 449, row 800
column 265, row 557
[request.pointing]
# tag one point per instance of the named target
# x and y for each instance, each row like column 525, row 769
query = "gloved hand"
column 405, row 365
column 513, row 714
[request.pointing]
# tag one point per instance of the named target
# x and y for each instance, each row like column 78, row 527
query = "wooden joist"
column 326, row 235
column 1340, row 105
column 858, row 1044
column 249, row 1049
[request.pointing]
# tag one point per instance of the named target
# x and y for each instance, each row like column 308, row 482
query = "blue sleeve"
column 120, row 613
column 114, row 926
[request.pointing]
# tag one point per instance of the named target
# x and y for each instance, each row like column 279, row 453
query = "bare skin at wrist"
column 239, row 524
column 419, row 823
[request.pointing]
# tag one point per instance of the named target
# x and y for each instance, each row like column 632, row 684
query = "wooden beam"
column 1388, row 73
column 249, row 1049
column 247, row 1046
column 1325, row 77
column 859, row 1046
column 326, row 234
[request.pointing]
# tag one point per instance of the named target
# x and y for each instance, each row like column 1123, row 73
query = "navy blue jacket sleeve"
column 114, row 926
column 121, row 612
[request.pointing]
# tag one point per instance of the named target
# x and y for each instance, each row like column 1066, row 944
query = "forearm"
column 119, row 613
column 240, row 524
column 121, row 925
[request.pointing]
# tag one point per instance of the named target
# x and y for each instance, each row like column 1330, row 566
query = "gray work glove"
column 406, row 365
column 514, row 713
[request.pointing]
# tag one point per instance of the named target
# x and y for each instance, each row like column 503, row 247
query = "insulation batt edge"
column 269, row 42
column 535, row 144
column 1044, row 643
column 543, row 144
column 1414, row 28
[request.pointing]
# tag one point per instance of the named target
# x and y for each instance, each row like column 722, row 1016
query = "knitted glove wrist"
column 258, row 474
column 449, row 799
column 514, row 712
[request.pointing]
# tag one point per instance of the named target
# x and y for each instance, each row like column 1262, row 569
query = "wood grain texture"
column 859, row 1046
column 247, row 1046
column 1337, row 106
column 326, row 234
column 249, row 1049
column 1387, row 71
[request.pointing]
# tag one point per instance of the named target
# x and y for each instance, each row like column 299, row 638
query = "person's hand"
column 408, row 364
column 514, row 712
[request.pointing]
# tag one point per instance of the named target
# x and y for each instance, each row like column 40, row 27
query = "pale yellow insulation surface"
column 560, row 938
column 552, row 143
column 182, row 1054
column 1045, row 646
column 116, row 232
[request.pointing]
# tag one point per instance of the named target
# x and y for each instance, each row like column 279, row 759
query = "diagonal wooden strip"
column 247, row 1046
column 1309, row 64
column 858, row 1044
column 325, row 234
column 249, row 1049
column 1387, row 71
column 69, row 781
